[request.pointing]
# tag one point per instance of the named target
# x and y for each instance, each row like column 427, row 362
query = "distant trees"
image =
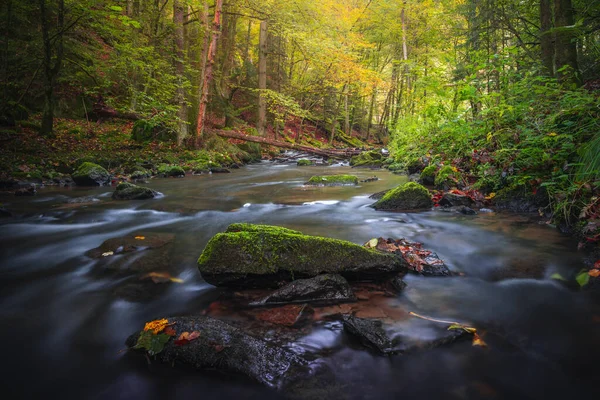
column 340, row 66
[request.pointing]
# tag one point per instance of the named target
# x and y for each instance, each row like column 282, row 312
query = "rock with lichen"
column 90, row 174
column 409, row 196
column 129, row 191
column 249, row 255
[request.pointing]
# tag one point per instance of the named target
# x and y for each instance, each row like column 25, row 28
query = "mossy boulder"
column 427, row 176
column 332, row 180
column 129, row 191
column 170, row 170
column 140, row 175
column 396, row 167
column 305, row 163
column 261, row 256
column 447, row 178
column 90, row 174
column 368, row 159
column 409, row 196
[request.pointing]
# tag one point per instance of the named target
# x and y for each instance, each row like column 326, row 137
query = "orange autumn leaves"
column 595, row 272
column 156, row 326
column 157, row 333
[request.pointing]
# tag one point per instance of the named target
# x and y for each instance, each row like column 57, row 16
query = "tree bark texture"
column 208, row 72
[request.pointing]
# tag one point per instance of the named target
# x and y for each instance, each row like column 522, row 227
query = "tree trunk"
column 370, row 117
column 262, row 79
column 208, row 72
column 346, row 112
column 51, row 70
column 547, row 43
column 182, row 114
column 286, row 145
column 335, row 117
column 566, row 46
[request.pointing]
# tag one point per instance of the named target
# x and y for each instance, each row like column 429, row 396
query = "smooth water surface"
column 63, row 327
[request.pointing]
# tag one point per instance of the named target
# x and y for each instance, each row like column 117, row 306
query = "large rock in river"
column 90, row 174
column 409, row 196
column 261, row 256
column 129, row 191
column 228, row 349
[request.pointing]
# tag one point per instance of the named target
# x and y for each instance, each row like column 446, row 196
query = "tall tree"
column 546, row 38
column 566, row 46
column 178, row 20
column 52, row 59
column 262, row 79
column 208, row 72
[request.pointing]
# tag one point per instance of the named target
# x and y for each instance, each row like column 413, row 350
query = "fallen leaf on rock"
column 478, row 341
column 140, row 237
column 156, row 326
column 108, row 253
column 186, row 337
column 583, row 278
column 170, row 331
column 161, row 277
column 412, row 252
column 594, row 273
column 151, row 342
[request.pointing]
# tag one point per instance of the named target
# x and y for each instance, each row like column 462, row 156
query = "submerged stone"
column 129, row 191
column 90, row 174
column 260, row 256
column 409, row 196
column 324, row 288
column 333, row 180
column 369, row 332
column 228, row 349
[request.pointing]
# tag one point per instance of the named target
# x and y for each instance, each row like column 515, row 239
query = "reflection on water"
column 63, row 326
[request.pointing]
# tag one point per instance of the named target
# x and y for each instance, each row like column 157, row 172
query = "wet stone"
column 326, row 288
column 468, row 211
column 228, row 349
column 369, row 332
column 455, row 200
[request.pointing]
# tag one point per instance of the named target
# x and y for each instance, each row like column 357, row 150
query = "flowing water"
column 63, row 326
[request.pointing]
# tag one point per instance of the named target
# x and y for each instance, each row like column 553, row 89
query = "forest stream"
column 66, row 316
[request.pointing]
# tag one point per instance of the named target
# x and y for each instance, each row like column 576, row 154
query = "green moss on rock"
column 409, row 196
column 244, row 227
column 447, row 177
column 333, row 180
column 428, row 175
column 170, row 170
column 262, row 255
column 140, row 174
column 129, row 191
column 370, row 159
column 90, row 174
column 305, row 163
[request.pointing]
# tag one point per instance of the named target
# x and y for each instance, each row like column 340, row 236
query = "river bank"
column 73, row 306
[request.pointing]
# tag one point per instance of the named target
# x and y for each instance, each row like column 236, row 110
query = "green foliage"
column 152, row 343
